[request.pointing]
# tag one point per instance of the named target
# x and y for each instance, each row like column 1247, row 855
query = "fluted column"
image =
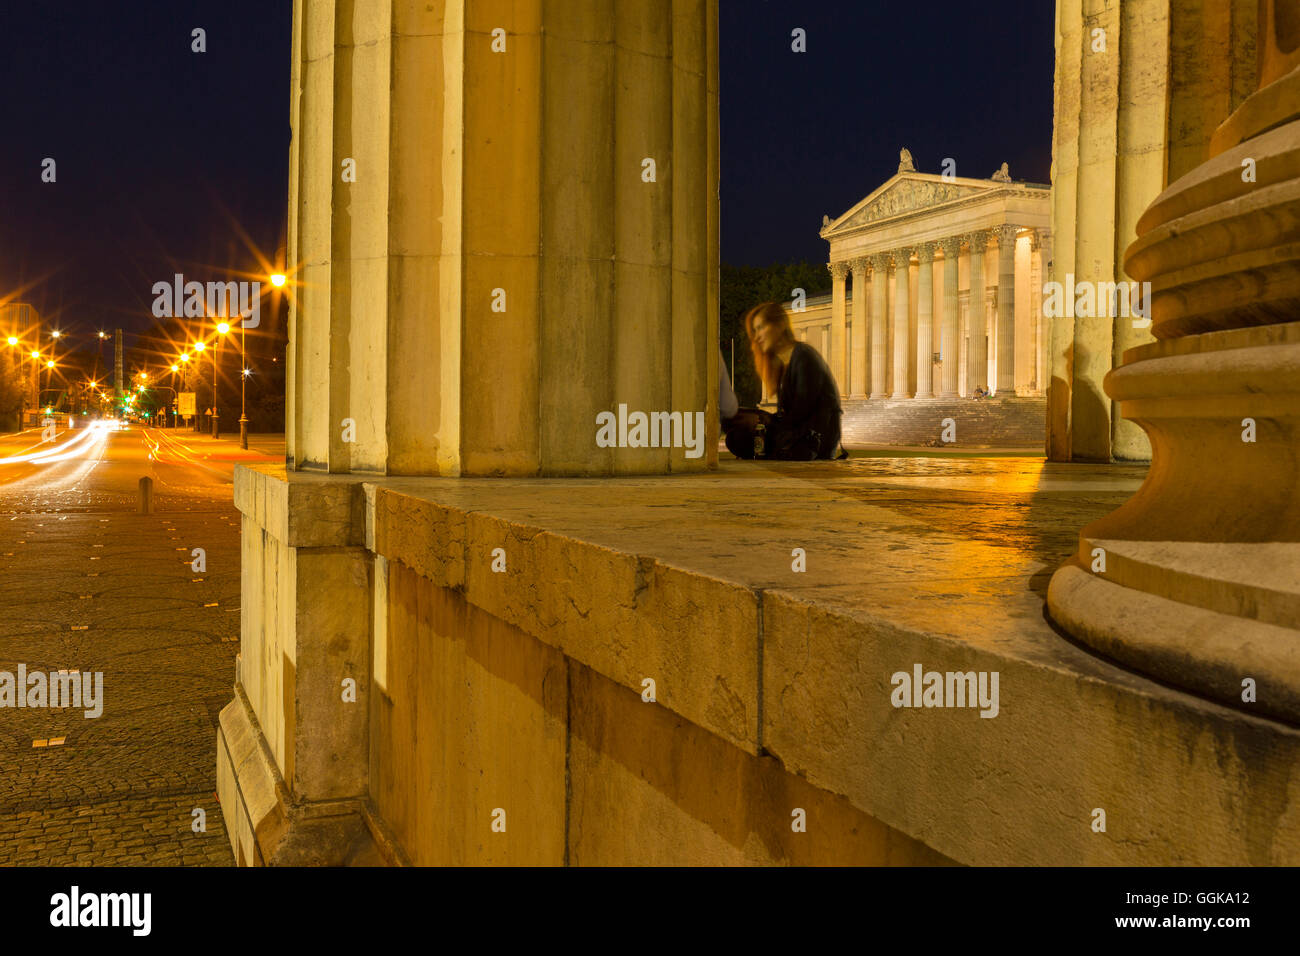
column 839, row 271
column 1196, row 579
column 1006, row 311
column 879, row 276
column 924, row 319
column 902, row 303
column 858, row 363
column 950, row 340
column 417, row 343
column 977, row 352
column 1040, row 255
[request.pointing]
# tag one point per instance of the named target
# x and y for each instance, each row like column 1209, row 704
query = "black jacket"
column 807, row 401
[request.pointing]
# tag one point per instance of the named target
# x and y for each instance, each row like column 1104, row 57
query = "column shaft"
column 879, row 276
column 924, row 320
column 858, row 362
column 977, row 353
column 950, row 351
column 837, row 356
column 902, row 278
column 1006, row 311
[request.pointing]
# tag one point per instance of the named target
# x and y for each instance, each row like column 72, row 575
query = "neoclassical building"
column 908, row 261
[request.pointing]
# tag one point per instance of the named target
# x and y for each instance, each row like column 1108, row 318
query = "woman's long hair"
column 768, row 366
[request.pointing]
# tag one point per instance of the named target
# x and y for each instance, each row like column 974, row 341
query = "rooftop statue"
column 905, row 161
column 1003, row 175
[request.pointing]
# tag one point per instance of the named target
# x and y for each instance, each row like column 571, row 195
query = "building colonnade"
column 911, row 331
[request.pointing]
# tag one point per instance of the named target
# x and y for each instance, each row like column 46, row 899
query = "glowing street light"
column 199, row 346
column 223, row 328
column 55, row 334
column 277, row 279
column 13, row 340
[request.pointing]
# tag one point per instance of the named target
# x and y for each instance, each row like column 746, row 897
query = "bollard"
column 146, row 495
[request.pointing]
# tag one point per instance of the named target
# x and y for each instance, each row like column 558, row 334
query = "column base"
column 266, row 826
column 900, row 396
column 1139, row 612
column 1195, row 578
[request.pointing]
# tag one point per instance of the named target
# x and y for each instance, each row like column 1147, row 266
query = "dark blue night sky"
column 161, row 151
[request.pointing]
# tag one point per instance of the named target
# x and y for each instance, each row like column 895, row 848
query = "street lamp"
column 49, row 366
column 198, row 348
column 243, row 378
column 222, row 329
column 277, row 279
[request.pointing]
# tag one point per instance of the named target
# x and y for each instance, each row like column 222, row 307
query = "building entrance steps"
column 954, row 423
column 775, row 605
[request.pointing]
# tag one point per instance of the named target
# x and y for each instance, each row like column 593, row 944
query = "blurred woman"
column 807, row 420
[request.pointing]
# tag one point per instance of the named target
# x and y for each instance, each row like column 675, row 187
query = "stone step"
column 1019, row 422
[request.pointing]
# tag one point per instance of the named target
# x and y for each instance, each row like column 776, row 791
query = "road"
column 87, row 584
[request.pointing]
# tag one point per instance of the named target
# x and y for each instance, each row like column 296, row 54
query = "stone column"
column 950, row 343
column 1040, row 255
column 838, row 354
column 924, row 319
column 902, row 297
column 977, row 354
column 858, row 363
column 487, row 278
column 1125, row 128
column 1006, row 311
column 879, row 276
column 1196, row 579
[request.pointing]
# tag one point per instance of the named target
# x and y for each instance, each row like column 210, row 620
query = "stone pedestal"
column 1197, row 579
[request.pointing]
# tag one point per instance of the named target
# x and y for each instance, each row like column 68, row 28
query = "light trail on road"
column 83, row 442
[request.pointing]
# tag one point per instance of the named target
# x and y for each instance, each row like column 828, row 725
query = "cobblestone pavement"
column 88, row 584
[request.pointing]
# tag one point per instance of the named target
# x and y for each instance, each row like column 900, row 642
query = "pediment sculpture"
column 906, row 196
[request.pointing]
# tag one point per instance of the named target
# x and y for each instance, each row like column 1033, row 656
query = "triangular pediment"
column 904, row 193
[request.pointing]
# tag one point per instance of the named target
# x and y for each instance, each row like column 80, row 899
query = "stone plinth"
column 773, row 686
